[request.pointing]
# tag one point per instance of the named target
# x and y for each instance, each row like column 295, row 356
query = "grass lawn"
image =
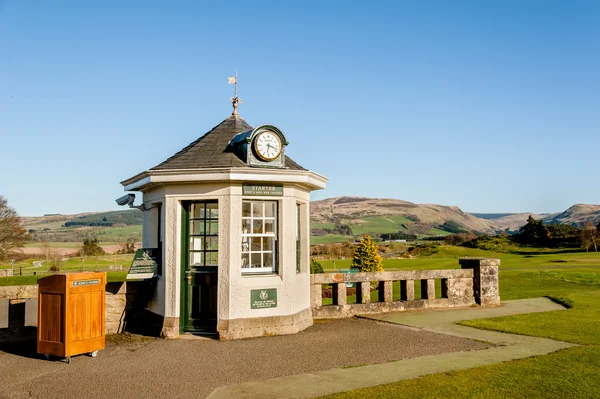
column 90, row 263
column 572, row 278
column 330, row 239
column 380, row 224
column 38, row 244
column 317, row 225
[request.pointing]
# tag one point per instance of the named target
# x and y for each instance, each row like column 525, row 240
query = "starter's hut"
column 229, row 217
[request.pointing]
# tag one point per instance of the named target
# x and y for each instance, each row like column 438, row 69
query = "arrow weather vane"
column 235, row 100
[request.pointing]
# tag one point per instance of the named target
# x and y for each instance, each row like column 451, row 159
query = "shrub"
column 315, row 267
column 366, row 257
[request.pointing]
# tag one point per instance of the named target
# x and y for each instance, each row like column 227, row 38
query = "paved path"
column 192, row 368
column 340, row 380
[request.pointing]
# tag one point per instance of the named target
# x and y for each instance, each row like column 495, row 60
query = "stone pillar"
column 385, row 291
column 316, row 296
column 363, row 292
column 407, row 290
column 485, row 279
column 338, row 294
column 428, row 289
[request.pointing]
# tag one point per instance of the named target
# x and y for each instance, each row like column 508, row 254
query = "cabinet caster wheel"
column 46, row 357
column 93, row 354
column 68, row 360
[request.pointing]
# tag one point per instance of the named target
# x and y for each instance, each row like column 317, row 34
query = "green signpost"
column 262, row 299
column 144, row 264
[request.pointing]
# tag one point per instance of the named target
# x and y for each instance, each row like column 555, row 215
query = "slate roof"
column 211, row 151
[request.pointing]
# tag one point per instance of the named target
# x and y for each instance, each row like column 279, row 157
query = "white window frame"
column 248, row 235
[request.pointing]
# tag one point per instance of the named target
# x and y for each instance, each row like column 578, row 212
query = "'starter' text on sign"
column 263, row 189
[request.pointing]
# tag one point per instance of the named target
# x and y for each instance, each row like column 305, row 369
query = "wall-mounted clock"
column 267, row 145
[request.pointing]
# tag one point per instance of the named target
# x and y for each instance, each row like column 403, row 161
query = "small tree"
column 366, row 257
column 590, row 236
column 12, row 234
column 91, row 247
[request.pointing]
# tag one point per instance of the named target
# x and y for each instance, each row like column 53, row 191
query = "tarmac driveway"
column 139, row 367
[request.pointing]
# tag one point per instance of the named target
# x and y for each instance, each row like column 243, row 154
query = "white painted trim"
column 312, row 180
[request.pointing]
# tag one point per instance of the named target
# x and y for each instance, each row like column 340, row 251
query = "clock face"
column 267, row 146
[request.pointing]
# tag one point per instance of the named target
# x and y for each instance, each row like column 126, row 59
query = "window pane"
column 268, row 259
column 268, row 243
column 197, row 258
column 212, row 228
column 245, row 262
column 269, row 227
column 197, row 211
column 212, row 243
column 246, row 206
column 197, row 227
column 246, row 226
column 255, row 244
column 257, row 227
column 245, row 244
column 196, row 243
column 270, row 209
column 257, row 209
column 256, row 262
column 212, row 211
column 212, row 258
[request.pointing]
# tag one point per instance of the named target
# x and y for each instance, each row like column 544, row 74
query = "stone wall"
column 19, row 309
column 476, row 282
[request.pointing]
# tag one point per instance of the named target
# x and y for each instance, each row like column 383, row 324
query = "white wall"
column 293, row 290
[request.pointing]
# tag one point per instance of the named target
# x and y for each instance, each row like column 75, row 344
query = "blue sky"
column 490, row 106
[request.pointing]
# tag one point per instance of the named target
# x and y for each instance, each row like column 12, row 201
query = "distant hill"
column 114, row 226
column 128, row 217
column 375, row 215
column 512, row 222
column 577, row 214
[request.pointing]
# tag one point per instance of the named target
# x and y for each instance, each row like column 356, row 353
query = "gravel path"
column 152, row 368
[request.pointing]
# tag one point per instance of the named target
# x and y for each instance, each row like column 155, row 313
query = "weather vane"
column 235, row 100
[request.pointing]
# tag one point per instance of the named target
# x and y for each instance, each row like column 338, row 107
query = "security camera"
column 126, row 200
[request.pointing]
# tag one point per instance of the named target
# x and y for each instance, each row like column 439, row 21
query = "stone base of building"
column 263, row 326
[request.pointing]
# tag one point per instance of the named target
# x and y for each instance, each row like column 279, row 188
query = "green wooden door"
column 200, row 266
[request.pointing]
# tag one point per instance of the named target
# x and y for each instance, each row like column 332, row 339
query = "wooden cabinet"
column 71, row 314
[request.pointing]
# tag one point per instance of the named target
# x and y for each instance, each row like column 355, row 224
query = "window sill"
column 260, row 274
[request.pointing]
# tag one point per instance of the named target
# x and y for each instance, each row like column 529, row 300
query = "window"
column 204, row 234
column 259, row 237
column 298, row 241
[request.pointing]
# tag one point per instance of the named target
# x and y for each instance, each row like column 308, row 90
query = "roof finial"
column 235, row 100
